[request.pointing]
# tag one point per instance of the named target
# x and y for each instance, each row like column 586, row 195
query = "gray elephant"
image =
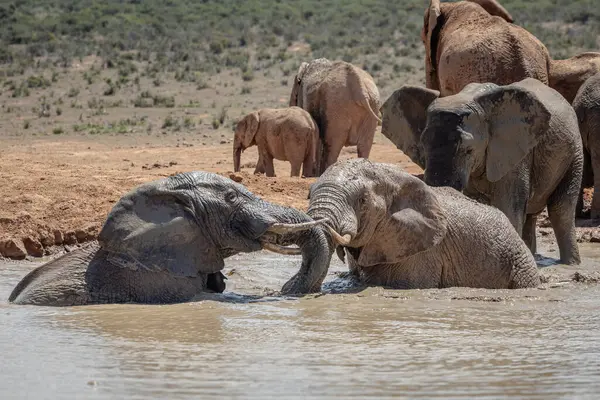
column 399, row 232
column 587, row 108
column 344, row 100
column 164, row 242
column 516, row 147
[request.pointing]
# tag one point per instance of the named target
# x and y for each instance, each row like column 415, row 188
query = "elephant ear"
column 154, row 228
column 414, row 222
column 494, row 8
column 251, row 121
column 517, row 119
column 433, row 24
column 294, row 100
column 404, row 118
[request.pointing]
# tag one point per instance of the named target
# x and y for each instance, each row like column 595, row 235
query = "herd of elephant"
column 501, row 130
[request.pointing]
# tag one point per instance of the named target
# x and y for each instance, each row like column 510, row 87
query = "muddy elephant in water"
column 163, row 242
column 286, row 134
column 587, row 108
column 344, row 100
column 516, row 147
column 475, row 41
column 398, row 232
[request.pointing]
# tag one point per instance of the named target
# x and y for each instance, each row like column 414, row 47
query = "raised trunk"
column 237, row 154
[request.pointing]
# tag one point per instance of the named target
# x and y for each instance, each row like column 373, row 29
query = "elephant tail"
column 366, row 92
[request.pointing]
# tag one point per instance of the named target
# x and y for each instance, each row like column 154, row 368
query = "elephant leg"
column 268, row 165
column 295, row 168
column 365, row 140
column 260, row 166
column 529, row 232
column 331, row 152
column 510, row 197
column 587, row 181
column 308, row 165
column 561, row 211
column 594, row 171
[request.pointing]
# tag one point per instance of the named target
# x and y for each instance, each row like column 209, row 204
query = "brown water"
column 372, row 343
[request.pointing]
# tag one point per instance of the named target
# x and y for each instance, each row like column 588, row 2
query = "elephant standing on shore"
column 164, row 242
column 516, row 147
column 587, row 108
column 398, row 232
column 344, row 100
column 475, row 41
column 286, row 134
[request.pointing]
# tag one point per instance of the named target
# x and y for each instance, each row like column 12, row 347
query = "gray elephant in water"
column 399, row 232
column 164, row 242
column 516, row 147
column 587, row 108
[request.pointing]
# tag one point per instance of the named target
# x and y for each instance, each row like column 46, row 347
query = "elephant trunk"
column 317, row 245
column 237, row 154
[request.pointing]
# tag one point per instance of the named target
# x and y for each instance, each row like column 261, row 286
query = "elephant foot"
column 216, row 282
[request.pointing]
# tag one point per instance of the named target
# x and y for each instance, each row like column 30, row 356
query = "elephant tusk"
column 282, row 229
column 275, row 248
column 341, row 240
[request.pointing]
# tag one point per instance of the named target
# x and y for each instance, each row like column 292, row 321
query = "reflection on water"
column 245, row 343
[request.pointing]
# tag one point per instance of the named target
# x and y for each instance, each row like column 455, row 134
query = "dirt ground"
column 58, row 191
column 68, row 152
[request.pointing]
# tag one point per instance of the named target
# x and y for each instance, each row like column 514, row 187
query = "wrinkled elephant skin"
column 163, row 242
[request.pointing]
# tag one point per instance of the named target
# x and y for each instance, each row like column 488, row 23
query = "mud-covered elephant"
column 285, row 134
column 163, row 242
column 516, row 147
column 587, row 108
column 344, row 101
column 567, row 76
column 398, row 232
column 475, row 41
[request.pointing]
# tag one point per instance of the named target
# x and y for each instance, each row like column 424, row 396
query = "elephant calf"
column 164, row 242
column 587, row 107
column 516, row 147
column 286, row 134
column 399, row 232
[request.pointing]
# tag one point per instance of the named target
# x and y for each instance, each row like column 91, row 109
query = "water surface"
column 372, row 343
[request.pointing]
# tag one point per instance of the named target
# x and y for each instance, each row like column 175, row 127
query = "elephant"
column 587, row 108
column 344, row 101
column 164, row 242
column 567, row 76
column 516, row 147
column 398, row 232
column 286, row 134
column 476, row 41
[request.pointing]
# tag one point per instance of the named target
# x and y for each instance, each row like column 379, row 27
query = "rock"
column 12, row 249
column 33, row 247
column 58, row 237
column 70, row 238
column 236, row 177
column 81, row 235
column 595, row 237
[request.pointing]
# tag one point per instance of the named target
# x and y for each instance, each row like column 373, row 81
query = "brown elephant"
column 344, row 101
column 475, row 41
column 567, row 76
column 587, row 107
column 286, row 134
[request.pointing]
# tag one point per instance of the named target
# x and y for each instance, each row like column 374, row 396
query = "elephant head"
column 434, row 19
column 377, row 212
column 295, row 99
column 244, row 137
column 485, row 129
column 188, row 223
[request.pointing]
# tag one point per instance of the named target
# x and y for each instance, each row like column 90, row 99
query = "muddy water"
column 369, row 343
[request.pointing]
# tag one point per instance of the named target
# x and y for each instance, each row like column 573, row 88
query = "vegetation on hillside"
column 211, row 33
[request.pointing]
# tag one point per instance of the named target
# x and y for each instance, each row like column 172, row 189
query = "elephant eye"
column 231, row 196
